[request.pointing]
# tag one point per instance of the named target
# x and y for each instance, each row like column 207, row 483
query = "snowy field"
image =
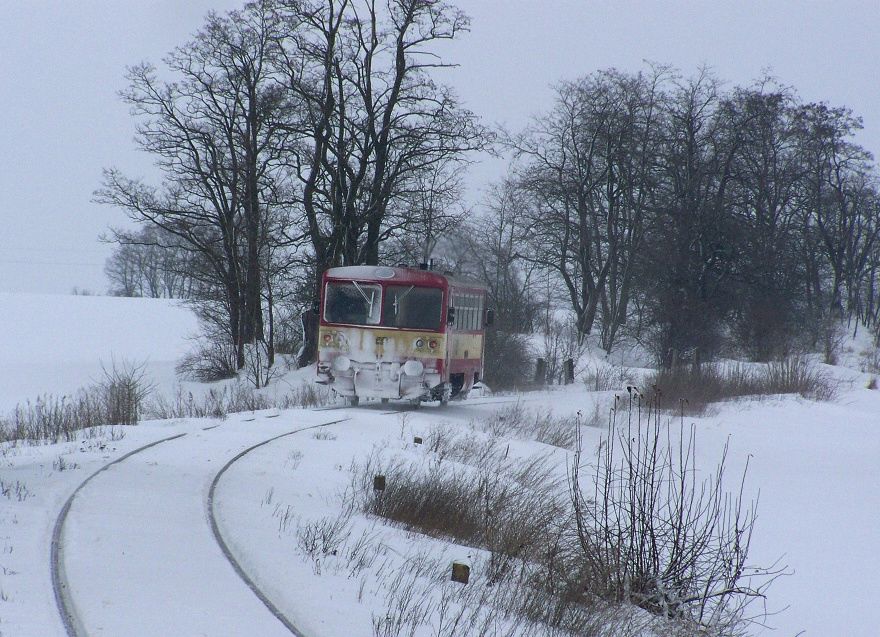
column 141, row 549
column 56, row 344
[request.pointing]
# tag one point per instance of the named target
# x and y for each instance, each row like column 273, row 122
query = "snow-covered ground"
column 139, row 556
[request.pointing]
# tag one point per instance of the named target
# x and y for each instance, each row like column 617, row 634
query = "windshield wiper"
column 368, row 300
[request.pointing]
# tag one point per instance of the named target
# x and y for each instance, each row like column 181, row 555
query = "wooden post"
column 541, row 371
column 461, row 572
column 569, row 371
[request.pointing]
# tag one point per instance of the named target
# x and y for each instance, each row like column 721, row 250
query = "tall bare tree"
column 689, row 258
column 152, row 263
column 764, row 202
column 375, row 125
column 217, row 132
column 587, row 169
column 841, row 228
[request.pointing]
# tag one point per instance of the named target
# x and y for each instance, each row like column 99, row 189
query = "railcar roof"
column 408, row 275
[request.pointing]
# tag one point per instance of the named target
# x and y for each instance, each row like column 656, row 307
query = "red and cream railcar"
column 400, row 333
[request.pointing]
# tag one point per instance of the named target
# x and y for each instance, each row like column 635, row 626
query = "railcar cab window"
column 412, row 307
column 353, row 303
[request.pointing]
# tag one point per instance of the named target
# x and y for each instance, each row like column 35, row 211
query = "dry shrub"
column 324, row 536
column 693, row 389
column 606, row 377
column 654, row 535
column 116, row 399
column 212, row 359
column 419, row 593
column 306, row 395
column 518, row 422
column 185, row 405
column 869, row 360
column 123, row 389
column 216, row 403
column 560, row 343
column 501, row 505
column 796, row 375
column 643, row 548
column 469, row 447
column 232, row 398
column 509, row 360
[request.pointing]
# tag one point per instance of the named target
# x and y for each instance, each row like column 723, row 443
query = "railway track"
column 60, row 586
column 405, row 408
column 224, row 546
column 71, row 616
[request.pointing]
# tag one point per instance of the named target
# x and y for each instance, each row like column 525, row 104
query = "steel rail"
column 72, row 623
column 224, row 547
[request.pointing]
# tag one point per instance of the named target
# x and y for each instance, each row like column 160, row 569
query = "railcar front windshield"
column 353, row 303
column 413, row 307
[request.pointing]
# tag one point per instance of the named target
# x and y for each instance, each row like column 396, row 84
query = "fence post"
column 569, row 371
column 541, row 372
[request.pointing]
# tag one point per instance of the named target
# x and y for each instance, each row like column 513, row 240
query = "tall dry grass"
column 694, row 390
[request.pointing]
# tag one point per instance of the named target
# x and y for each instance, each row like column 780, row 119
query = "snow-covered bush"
column 257, row 368
column 233, row 397
column 211, row 359
column 123, row 391
column 518, row 422
column 606, row 377
column 559, row 344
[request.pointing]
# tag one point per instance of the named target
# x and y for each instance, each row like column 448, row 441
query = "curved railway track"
column 72, row 619
column 60, row 587
column 218, row 536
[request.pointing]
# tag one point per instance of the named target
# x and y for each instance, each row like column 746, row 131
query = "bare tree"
column 375, row 125
column 764, row 200
column 690, row 254
column 424, row 215
column 217, row 134
column 587, row 169
column 152, row 263
column 493, row 243
column 840, row 203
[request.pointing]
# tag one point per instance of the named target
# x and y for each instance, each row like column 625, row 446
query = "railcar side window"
column 468, row 312
column 413, row 307
column 353, row 303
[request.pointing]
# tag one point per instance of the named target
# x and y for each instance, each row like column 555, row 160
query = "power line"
column 63, row 263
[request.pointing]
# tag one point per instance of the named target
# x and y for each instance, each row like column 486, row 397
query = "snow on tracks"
column 59, row 581
column 137, row 551
column 215, row 528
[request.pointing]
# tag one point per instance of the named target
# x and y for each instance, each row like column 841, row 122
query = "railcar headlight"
column 413, row 368
column 420, row 343
column 342, row 363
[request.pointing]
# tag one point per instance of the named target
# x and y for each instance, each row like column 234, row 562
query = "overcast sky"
column 62, row 62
